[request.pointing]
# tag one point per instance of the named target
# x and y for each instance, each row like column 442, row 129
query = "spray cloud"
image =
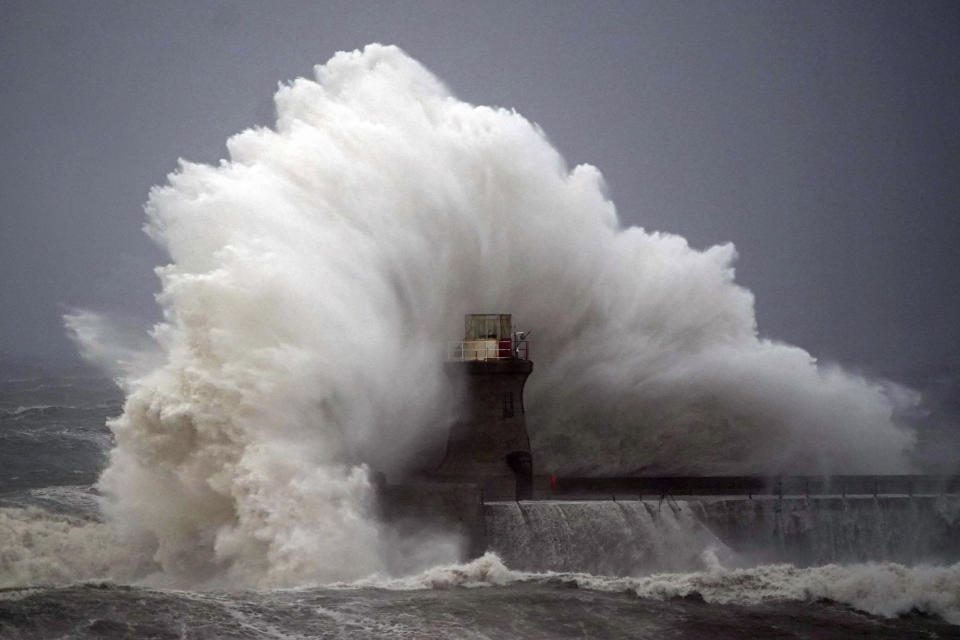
column 315, row 276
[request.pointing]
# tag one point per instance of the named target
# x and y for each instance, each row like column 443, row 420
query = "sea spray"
column 316, row 273
column 38, row 547
column 604, row 537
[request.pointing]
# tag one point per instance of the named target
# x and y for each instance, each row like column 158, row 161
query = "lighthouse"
column 488, row 444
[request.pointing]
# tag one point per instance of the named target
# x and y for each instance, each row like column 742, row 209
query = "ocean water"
column 526, row 610
column 52, row 429
column 53, row 443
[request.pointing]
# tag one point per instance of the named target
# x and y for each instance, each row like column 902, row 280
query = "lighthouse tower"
column 489, row 444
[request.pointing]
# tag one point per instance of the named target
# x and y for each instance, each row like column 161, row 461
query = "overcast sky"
column 822, row 138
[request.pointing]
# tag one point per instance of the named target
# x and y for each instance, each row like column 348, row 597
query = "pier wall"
column 636, row 537
column 751, row 520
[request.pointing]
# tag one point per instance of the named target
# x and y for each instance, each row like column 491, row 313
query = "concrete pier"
column 637, row 537
column 799, row 519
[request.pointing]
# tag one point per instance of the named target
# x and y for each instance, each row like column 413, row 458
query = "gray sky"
column 822, row 138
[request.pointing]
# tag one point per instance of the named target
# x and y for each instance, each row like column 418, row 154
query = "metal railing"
column 489, row 350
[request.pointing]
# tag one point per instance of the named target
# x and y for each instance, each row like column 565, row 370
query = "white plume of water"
column 604, row 537
column 315, row 275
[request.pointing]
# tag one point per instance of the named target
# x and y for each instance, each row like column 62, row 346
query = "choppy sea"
column 54, row 442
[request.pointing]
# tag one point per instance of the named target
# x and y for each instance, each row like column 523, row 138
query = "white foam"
column 38, row 547
column 315, row 276
column 34, row 407
column 885, row 589
column 485, row 571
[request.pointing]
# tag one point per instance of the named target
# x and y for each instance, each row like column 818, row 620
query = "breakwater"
column 630, row 537
column 625, row 526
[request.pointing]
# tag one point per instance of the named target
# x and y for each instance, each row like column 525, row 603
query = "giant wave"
column 314, row 276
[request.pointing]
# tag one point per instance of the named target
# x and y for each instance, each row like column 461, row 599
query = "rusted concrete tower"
column 489, row 445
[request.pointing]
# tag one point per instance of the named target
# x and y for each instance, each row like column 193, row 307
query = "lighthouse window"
column 487, row 326
column 508, row 404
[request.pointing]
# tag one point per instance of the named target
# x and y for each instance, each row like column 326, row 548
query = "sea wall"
column 602, row 537
column 818, row 530
column 642, row 536
column 613, row 535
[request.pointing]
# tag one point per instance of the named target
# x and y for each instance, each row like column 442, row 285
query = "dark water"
column 53, row 443
column 532, row 610
column 52, row 429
